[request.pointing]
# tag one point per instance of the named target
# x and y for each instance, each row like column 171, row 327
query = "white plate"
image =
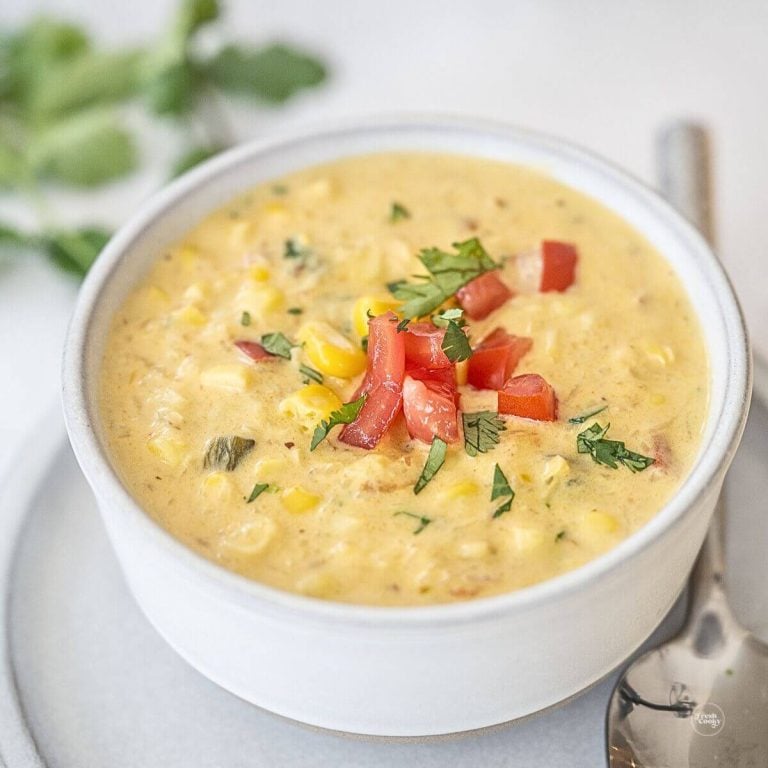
column 86, row 682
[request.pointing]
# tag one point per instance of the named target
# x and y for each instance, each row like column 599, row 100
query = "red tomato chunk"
column 558, row 267
column 528, row 396
column 383, row 383
column 495, row 358
column 254, row 350
column 430, row 410
column 479, row 297
column 423, row 346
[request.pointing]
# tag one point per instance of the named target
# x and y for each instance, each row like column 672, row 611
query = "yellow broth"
column 624, row 335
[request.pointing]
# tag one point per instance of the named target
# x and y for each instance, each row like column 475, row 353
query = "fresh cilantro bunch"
column 60, row 102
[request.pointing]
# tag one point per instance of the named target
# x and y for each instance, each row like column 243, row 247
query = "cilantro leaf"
column 423, row 520
column 310, row 374
column 193, row 157
column 293, row 249
column 273, row 73
column 398, row 212
column 441, row 319
column 85, row 150
column 588, row 415
column 435, row 460
column 455, row 343
column 344, row 415
column 277, row 344
column 74, row 251
column 447, row 273
column 501, row 488
column 258, row 489
column 245, row 319
column 481, row 431
column 403, row 324
column 609, row 453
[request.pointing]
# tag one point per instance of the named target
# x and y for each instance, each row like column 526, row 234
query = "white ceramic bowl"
column 423, row 670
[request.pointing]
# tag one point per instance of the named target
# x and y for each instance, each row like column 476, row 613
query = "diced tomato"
column 430, row 410
column 383, row 383
column 432, row 377
column 495, row 358
column 479, row 297
column 254, row 350
column 528, row 396
column 377, row 414
column 558, row 267
column 423, row 346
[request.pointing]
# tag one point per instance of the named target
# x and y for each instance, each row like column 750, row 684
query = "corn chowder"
column 404, row 379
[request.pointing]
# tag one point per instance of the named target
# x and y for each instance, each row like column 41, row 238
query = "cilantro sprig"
column 481, row 431
column 62, row 99
column 258, row 489
column 424, row 521
column 609, row 453
column 344, row 415
column 501, row 489
column 581, row 418
column 455, row 343
column 447, row 273
column 435, row 460
column 277, row 344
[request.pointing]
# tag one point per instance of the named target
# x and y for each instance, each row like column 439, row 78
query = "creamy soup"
column 228, row 366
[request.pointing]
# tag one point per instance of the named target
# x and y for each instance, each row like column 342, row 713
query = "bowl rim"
column 711, row 463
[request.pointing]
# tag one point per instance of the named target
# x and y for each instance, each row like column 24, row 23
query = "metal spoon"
column 700, row 700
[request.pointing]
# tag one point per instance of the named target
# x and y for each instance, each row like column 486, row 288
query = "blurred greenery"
column 60, row 118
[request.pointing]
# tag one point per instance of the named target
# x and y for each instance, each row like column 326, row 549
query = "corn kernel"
column 659, row 354
column 259, row 273
column 461, row 490
column 188, row 255
column 296, row 500
column 217, row 485
column 526, row 539
column 330, row 352
column 198, row 291
column 473, row 550
column 276, row 209
column 169, row 450
column 191, row 315
column 268, row 469
column 310, row 404
column 462, row 372
column 600, row 523
column 157, row 295
column 555, row 469
column 234, row 376
column 260, row 299
column 251, row 538
column 241, row 234
column 316, row 584
column 376, row 305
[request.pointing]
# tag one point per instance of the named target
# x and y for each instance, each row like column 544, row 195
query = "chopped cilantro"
column 588, row 415
column 294, row 310
column 441, row 319
column 295, row 250
column 364, row 343
column 258, row 489
column 560, row 535
column 609, row 453
column 245, row 319
column 344, row 415
column 501, row 488
column 398, row 212
column 277, row 344
column 481, row 431
column 455, row 343
column 423, row 520
column 447, row 273
column 310, row 374
column 435, row 460
column 403, row 324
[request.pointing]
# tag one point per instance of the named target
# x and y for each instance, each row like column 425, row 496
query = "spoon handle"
column 683, row 155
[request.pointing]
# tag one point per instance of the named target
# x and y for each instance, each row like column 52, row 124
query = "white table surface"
column 602, row 73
